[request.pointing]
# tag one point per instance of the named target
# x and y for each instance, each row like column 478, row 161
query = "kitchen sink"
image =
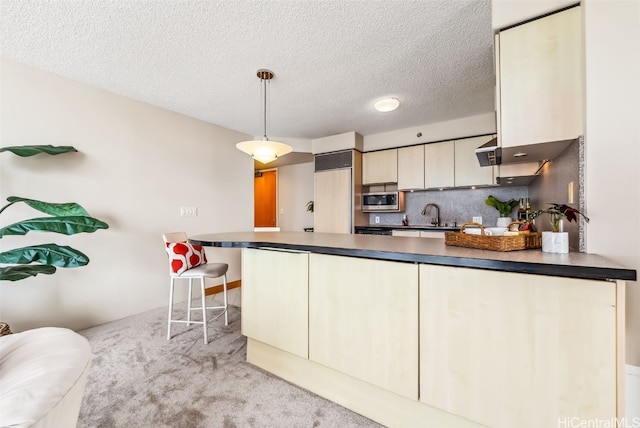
column 387, row 229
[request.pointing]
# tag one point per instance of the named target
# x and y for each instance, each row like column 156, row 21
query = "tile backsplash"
column 456, row 205
column 460, row 205
column 552, row 187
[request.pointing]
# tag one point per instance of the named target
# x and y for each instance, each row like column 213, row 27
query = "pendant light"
column 264, row 150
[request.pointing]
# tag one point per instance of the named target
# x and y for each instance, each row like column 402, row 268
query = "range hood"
column 519, row 174
column 490, row 154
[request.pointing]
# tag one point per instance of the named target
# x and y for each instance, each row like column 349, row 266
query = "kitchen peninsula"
column 410, row 332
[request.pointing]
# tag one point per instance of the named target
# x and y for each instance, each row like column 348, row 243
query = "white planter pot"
column 504, row 221
column 555, row 242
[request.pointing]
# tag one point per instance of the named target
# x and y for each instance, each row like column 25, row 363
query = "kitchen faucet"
column 436, row 221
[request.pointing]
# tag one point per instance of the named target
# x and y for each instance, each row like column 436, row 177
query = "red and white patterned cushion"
column 183, row 256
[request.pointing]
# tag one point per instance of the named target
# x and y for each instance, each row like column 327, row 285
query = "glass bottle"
column 527, row 209
column 521, row 210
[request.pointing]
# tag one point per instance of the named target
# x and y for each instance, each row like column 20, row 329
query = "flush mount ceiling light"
column 264, row 150
column 386, row 105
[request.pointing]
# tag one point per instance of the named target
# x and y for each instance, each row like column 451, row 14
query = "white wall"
column 612, row 138
column 298, row 144
column 137, row 165
column 458, row 128
column 295, row 189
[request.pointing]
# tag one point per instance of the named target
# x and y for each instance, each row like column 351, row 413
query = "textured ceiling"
column 332, row 59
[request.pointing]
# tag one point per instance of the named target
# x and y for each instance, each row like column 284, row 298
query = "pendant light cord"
column 264, row 108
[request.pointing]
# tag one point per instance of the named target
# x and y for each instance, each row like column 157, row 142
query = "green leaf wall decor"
column 65, row 225
column 66, row 218
column 26, row 151
column 46, row 254
column 16, row 273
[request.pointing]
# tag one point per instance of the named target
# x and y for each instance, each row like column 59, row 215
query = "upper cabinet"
column 468, row 171
column 380, row 167
column 439, row 165
column 540, row 80
column 445, row 164
column 411, row 167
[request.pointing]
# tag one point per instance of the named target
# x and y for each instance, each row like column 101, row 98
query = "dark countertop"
column 409, row 227
column 428, row 251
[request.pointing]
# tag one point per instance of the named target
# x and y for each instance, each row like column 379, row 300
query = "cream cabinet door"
column 380, row 167
column 541, row 80
column 332, row 210
column 439, row 161
column 411, row 167
column 431, row 234
column 274, row 298
column 516, row 350
column 406, row 233
column 363, row 320
column 468, row 171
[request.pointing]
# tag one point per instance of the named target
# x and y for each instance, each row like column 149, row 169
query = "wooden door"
column 264, row 199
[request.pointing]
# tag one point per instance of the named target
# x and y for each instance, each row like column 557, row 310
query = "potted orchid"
column 557, row 212
column 557, row 241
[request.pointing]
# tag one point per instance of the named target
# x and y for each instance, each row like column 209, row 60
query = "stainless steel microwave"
column 383, row 202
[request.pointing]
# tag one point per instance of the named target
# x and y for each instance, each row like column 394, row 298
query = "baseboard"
column 218, row 288
column 373, row 402
column 633, row 392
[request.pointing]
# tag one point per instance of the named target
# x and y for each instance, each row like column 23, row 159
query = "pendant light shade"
column 264, row 150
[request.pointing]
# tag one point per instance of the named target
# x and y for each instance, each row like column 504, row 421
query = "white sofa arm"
column 43, row 373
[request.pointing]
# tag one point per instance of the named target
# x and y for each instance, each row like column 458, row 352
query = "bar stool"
column 187, row 261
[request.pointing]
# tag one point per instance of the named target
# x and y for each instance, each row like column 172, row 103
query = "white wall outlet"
column 570, row 191
column 188, row 211
column 377, row 219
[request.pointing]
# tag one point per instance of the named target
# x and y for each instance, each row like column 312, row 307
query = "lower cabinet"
column 428, row 345
column 516, row 350
column 431, row 234
column 275, row 298
column 418, row 233
column 409, row 233
column 363, row 320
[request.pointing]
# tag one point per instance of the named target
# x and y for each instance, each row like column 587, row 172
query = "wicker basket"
column 522, row 241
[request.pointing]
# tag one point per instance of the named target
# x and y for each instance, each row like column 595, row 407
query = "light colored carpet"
column 139, row 379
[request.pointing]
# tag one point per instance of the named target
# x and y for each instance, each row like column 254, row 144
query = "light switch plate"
column 188, row 211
